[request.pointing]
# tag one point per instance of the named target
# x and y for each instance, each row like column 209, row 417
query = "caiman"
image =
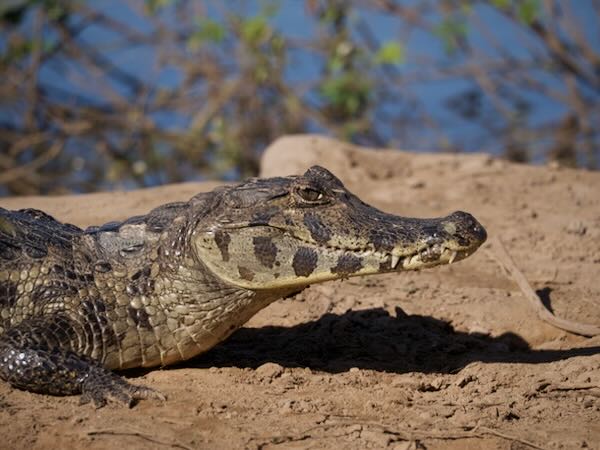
column 164, row 287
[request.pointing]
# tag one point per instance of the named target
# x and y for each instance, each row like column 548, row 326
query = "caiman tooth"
column 410, row 260
column 395, row 260
column 452, row 256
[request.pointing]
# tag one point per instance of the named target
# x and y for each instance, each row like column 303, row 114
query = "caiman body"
column 157, row 289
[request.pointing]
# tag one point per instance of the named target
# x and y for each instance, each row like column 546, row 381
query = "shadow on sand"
column 373, row 339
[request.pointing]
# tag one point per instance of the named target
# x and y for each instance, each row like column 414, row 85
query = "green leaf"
column 261, row 73
column 278, row 43
column 390, row 53
column 332, row 14
column 270, row 7
column 208, row 31
column 255, row 30
column 348, row 93
column 466, row 8
column 335, row 64
column 501, row 4
column 154, row 5
column 451, row 31
column 528, row 11
column 56, row 11
column 17, row 51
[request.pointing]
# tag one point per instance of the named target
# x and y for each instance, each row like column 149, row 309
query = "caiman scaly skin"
column 161, row 288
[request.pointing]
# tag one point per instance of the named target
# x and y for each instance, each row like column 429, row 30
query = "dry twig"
column 31, row 167
column 136, row 434
column 504, row 260
column 399, row 434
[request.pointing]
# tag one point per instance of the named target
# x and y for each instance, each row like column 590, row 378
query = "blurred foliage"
column 390, row 53
column 97, row 95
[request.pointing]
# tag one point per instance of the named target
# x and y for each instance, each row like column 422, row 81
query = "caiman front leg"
column 36, row 355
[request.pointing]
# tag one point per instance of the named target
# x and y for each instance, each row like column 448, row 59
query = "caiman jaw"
column 263, row 257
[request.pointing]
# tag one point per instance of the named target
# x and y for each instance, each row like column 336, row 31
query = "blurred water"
column 423, row 92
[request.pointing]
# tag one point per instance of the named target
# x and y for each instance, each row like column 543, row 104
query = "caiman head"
column 290, row 232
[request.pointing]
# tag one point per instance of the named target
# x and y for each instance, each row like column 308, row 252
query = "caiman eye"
column 310, row 195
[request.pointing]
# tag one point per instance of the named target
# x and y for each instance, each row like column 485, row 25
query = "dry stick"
column 477, row 432
column 575, row 387
column 506, row 262
column 30, row 167
column 411, row 435
column 486, row 430
column 138, row 435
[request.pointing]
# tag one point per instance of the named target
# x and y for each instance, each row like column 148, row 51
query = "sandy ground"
column 450, row 358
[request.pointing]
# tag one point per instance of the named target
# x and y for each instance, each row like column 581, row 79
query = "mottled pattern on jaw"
column 263, row 217
column 382, row 241
column 222, row 240
column 265, row 250
column 318, row 231
column 246, row 273
column 347, row 265
column 305, row 261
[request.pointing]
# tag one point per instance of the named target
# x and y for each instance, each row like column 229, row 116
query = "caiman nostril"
column 450, row 228
column 467, row 223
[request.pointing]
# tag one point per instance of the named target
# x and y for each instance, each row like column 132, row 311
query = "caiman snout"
column 440, row 241
column 466, row 229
